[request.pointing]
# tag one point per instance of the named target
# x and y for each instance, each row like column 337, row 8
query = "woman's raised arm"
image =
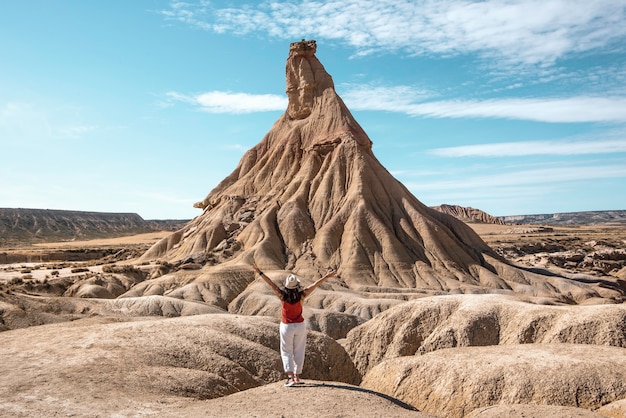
column 267, row 280
column 310, row 288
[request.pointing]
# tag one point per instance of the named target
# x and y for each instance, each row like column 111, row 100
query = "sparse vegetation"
column 15, row 281
column 124, row 269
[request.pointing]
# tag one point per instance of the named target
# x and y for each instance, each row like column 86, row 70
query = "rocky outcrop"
column 598, row 258
column 200, row 357
column 454, row 382
column 435, row 323
column 468, row 214
column 603, row 217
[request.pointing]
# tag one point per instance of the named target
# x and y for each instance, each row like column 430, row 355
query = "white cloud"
column 402, row 99
column 526, row 148
column 550, row 109
column 559, row 110
column 236, row 147
column 386, row 98
column 536, row 32
column 228, row 102
column 539, row 176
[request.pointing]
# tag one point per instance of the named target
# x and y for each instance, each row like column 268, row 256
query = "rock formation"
column 604, row 217
column 21, row 226
column 575, row 375
column 130, row 368
column 468, row 214
column 408, row 316
column 434, row 323
column 312, row 195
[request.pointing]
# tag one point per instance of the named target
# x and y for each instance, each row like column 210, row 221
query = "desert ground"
column 423, row 317
column 89, row 353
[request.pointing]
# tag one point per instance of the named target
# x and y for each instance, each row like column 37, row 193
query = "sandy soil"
column 39, row 383
column 498, row 234
column 167, row 368
column 148, row 238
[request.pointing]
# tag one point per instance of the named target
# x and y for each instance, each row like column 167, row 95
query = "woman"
column 292, row 326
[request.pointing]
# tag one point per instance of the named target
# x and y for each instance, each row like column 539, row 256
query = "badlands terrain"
column 429, row 315
column 74, row 345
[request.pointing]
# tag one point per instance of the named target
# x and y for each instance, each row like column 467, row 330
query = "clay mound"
column 532, row 411
column 454, row 382
column 23, row 311
column 435, row 323
column 111, row 283
column 157, row 306
column 314, row 398
column 336, row 325
column 312, row 195
column 257, row 299
column 90, row 290
column 468, row 214
column 105, row 281
column 118, row 366
column 614, row 409
column 217, row 286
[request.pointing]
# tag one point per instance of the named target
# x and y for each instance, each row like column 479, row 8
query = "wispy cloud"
column 386, row 98
column 546, row 109
column 42, row 122
column 405, row 99
column 543, row 176
column 228, row 102
column 75, row 131
column 526, row 148
column 534, row 32
column 559, row 110
column 236, row 147
column 8, row 111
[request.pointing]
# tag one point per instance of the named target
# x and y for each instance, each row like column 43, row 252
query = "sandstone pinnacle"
column 312, row 195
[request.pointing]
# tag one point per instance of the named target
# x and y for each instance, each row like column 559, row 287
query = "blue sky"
column 509, row 106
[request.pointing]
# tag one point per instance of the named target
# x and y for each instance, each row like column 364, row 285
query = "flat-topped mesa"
column 306, row 78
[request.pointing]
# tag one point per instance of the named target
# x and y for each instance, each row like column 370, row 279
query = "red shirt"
column 292, row 313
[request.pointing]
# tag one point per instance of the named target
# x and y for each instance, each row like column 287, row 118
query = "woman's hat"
column 292, row 282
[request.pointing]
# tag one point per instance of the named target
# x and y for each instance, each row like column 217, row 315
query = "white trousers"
column 292, row 346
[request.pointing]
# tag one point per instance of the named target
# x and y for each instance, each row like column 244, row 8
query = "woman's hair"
column 292, row 295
